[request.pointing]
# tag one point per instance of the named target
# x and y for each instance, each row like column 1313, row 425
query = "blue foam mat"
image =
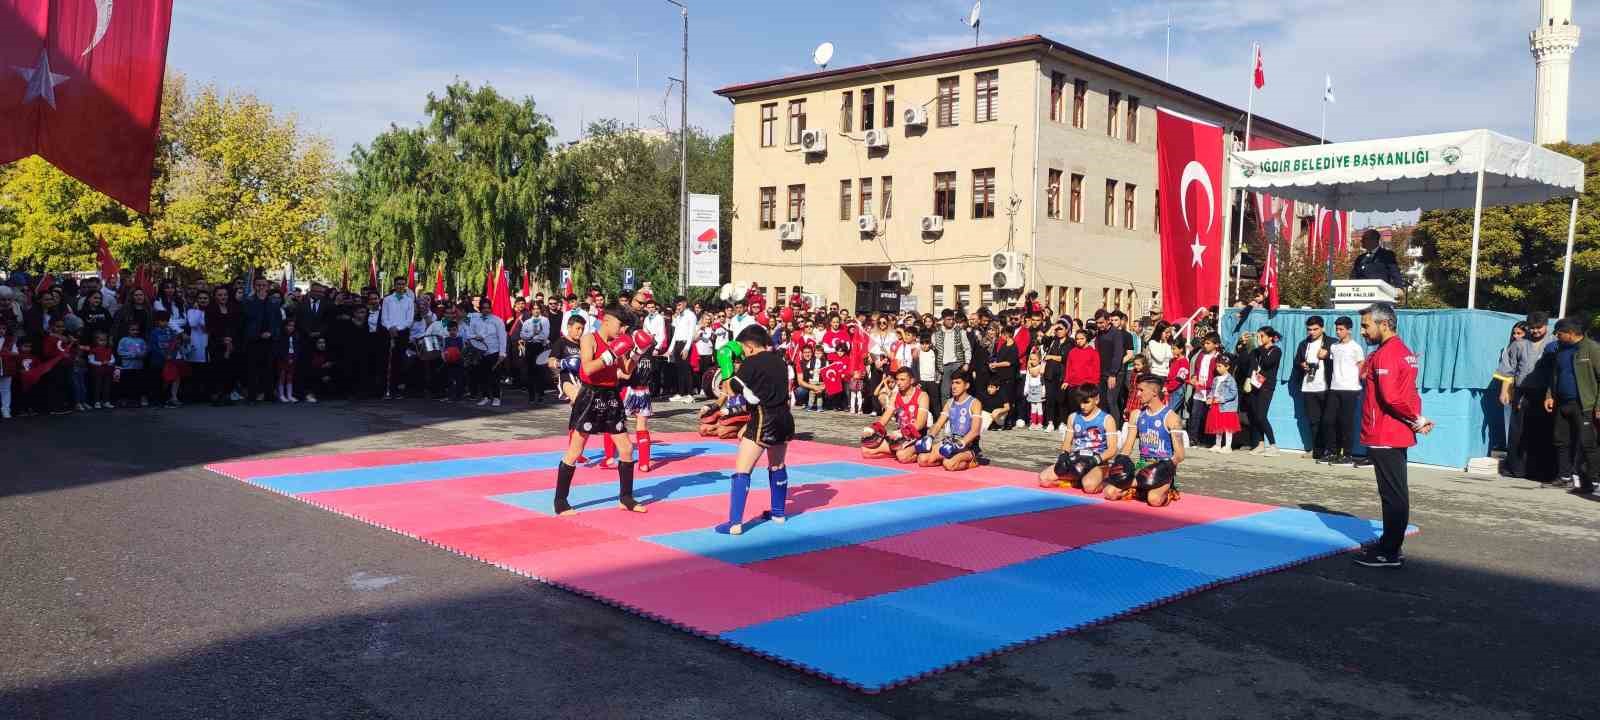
column 454, row 468
column 823, row 529
column 656, row 488
column 880, row 641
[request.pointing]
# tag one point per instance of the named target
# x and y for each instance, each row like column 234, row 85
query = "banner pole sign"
column 705, row 240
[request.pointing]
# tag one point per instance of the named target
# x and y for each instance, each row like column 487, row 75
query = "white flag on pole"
column 1327, row 90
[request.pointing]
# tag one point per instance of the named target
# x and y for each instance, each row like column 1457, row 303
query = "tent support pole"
column 1477, row 229
column 1227, row 217
column 1566, row 271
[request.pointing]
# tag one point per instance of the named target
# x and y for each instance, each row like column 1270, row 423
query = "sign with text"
column 627, row 279
column 705, row 240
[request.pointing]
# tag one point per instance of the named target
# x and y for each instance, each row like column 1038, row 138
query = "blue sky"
column 349, row 68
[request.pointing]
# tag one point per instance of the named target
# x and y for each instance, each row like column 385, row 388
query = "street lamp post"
column 683, row 158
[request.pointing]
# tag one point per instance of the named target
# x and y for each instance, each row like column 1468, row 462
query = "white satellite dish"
column 972, row 19
column 823, row 54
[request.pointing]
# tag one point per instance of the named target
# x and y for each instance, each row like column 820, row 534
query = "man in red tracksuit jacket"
column 1391, row 418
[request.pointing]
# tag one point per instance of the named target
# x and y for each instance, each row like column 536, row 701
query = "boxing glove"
column 925, row 444
column 571, row 365
column 617, row 350
column 643, row 341
column 1064, row 465
column 950, row 448
column 725, row 357
column 736, row 405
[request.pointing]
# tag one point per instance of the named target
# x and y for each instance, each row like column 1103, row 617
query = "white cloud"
column 559, row 43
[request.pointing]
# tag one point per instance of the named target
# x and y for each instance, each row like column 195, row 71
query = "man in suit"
column 314, row 312
column 1377, row 263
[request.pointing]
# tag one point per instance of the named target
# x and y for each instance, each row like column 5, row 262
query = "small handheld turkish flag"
column 80, row 86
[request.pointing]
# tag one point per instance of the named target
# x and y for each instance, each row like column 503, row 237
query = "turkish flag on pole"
column 438, row 283
column 372, row 272
column 527, row 283
column 501, row 299
column 1189, row 170
column 108, row 264
column 411, row 275
column 80, row 86
column 1261, row 73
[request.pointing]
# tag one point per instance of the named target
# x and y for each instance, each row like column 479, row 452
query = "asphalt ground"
column 135, row 584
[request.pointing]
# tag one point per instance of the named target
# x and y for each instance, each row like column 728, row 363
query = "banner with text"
column 705, row 240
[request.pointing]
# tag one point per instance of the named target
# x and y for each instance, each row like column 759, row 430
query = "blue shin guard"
column 736, row 496
column 778, row 480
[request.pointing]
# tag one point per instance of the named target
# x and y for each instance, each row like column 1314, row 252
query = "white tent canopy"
column 1471, row 168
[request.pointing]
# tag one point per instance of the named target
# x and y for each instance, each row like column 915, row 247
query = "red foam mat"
column 856, row 571
column 498, row 542
column 965, row 546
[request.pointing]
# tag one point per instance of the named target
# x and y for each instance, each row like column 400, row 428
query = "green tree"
column 1521, row 249
column 466, row 189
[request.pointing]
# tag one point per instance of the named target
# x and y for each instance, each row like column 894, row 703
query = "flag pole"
column 1249, row 116
column 1322, row 139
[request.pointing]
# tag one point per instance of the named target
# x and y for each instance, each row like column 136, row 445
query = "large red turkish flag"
column 80, row 86
column 1189, row 170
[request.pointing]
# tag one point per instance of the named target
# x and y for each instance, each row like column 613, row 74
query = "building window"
column 1077, row 302
column 769, row 124
column 949, row 102
column 1155, row 217
column 1113, row 113
column 944, row 195
column 769, row 208
column 963, row 296
column 847, row 111
column 987, row 98
column 938, row 297
column 1129, row 192
column 844, row 200
column 797, row 120
column 1058, row 88
column 797, row 202
column 1111, row 203
column 869, row 108
column 1052, row 195
column 1105, row 299
column 985, row 294
column 1132, row 133
column 888, row 198
column 888, row 106
column 1075, row 208
column 983, row 193
column 779, row 297
column 1080, row 103
column 865, row 206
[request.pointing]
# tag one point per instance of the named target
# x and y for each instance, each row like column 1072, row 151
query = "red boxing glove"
column 643, row 340
column 618, row 349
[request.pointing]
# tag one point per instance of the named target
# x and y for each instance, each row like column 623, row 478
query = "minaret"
column 1552, row 45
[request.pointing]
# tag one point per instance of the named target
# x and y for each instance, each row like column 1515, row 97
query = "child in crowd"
column 455, row 373
column 80, row 380
column 808, row 380
column 1090, row 444
column 997, row 407
column 9, row 368
column 1140, row 367
column 286, row 356
column 102, row 359
column 159, row 342
column 26, row 360
column 928, row 373
column 1033, row 388
column 321, row 371
column 1222, row 417
column 132, row 351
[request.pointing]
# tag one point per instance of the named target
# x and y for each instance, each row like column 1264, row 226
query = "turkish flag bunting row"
column 80, row 86
column 1189, row 168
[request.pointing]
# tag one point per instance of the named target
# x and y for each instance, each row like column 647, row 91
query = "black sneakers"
column 1376, row 559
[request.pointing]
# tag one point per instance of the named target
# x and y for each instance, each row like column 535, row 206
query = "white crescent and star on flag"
column 1195, row 172
column 41, row 81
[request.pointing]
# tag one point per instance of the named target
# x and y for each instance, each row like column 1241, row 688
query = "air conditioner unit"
column 1009, row 273
column 789, row 232
column 901, row 276
column 814, row 141
column 933, row 223
column 878, row 138
column 915, row 116
column 866, row 223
